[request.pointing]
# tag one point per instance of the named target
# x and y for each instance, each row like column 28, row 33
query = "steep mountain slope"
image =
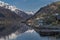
column 10, row 20
column 19, row 12
column 50, row 9
column 48, row 15
column 22, row 14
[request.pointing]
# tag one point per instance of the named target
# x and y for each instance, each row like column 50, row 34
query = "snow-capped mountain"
column 7, row 6
column 12, row 13
column 30, row 13
column 24, row 15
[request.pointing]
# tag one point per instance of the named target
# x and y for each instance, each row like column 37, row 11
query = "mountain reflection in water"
column 32, row 35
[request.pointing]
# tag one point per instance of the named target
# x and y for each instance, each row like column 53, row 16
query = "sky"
column 29, row 5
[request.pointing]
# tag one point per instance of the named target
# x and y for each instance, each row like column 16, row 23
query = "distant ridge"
column 19, row 12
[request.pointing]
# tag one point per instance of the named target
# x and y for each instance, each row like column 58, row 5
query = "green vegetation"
column 58, row 2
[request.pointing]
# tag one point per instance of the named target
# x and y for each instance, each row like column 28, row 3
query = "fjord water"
column 32, row 35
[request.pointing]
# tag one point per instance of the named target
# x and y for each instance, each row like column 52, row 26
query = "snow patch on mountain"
column 24, row 15
column 30, row 13
column 8, row 6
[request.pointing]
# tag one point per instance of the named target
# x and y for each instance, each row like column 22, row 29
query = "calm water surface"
column 32, row 35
